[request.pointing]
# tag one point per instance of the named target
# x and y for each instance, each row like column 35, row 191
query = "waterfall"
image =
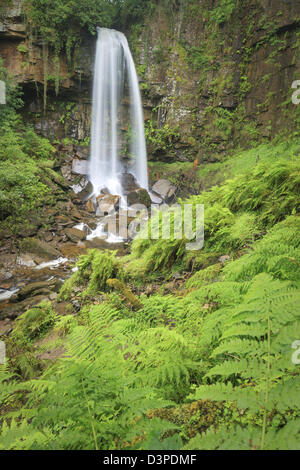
column 114, row 67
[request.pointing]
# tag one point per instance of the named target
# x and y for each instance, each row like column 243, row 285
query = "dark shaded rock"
column 128, row 182
column 86, row 192
column 82, row 152
column 14, row 310
column 139, row 196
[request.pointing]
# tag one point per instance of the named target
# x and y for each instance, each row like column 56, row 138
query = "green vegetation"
column 24, row 157
column 164, row 348
column 231, row 327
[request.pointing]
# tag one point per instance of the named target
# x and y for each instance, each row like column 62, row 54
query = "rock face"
column 203, row 99
column 208, row 75
column 165, row 189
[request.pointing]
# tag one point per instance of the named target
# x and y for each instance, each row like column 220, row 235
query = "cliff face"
column 223, row 80
column 68, row 111
column 211, row 78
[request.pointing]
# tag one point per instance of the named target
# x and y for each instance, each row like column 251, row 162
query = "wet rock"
column 107, row 203
column 128, row 182
column 66, row 172
column 79, row 167
column 165, row 189
column 75, row 234
column 63, row 221
column 139, row 196
column 105, row 191
column 14, row 310
column 40, row 248
column 38, row 288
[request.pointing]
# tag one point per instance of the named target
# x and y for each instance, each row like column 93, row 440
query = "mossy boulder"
column 39, row 247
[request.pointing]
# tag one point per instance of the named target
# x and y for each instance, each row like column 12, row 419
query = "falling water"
column 114, row 67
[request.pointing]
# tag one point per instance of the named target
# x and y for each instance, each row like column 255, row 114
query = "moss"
column 129, row 296
column 34, row 323
column 205, row 276
column 94, row 270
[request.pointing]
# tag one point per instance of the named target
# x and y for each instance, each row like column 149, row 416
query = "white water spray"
column 114, row 65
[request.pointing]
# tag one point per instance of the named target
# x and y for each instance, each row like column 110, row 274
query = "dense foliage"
column 231, row 328
column 25, row 161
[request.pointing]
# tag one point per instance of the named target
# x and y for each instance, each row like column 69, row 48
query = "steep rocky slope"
column 214, row 75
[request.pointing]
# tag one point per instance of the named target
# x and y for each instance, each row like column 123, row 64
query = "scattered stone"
column 107, row 203
column 165, row 189
column 75, row 235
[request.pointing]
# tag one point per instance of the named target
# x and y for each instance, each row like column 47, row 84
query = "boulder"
column 107, row 203
column 75, row 235
column 155, row 199
column 86, row 192
column 40, row 248
column 38, row 288
column 128, row 182
column 139, row 196
column 79, row 167
column 165, row 189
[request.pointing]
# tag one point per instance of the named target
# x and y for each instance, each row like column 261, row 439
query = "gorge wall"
column 214, row 75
